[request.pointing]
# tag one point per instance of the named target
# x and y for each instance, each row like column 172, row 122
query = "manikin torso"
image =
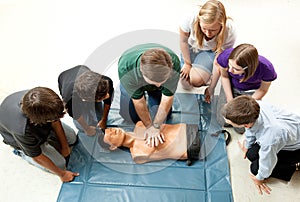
column 174, row 147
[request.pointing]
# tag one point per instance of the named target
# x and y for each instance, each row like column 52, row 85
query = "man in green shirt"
column 154, row 69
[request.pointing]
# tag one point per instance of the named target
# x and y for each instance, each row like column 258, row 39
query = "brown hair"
column 91, row 86
column 156, row 64
column 245, row 55
column 209, row 13
column 241, row 110
column 42, row 105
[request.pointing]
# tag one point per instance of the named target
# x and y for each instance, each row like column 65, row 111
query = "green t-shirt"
column 132, row 79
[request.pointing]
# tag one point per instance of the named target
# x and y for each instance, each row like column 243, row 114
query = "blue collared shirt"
column 275, row 129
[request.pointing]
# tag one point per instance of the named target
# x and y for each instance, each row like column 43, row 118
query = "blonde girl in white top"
column 203, row 34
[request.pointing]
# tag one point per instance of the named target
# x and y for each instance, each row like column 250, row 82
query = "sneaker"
column 16, row 152
column 239, row 130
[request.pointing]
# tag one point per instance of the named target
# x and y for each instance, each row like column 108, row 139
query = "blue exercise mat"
column 112, row 176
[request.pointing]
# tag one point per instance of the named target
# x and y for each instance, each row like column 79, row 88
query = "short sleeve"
column 230, row 36
column 269, row 73
column 188, row 19
column 29, row 145
column 223, row 57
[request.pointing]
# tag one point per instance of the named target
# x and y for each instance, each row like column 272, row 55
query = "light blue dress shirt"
column 275, row 129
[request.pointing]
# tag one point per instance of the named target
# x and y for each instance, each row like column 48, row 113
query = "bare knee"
column 198, row 77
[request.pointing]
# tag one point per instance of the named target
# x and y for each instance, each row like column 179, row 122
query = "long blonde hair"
column 210, row 12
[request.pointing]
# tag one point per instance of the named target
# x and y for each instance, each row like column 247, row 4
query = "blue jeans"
column 203, row 59
column 127, row 109
column 50, row 151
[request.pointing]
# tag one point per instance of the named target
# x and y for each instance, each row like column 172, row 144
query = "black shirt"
column 66, row 81
column 16, row 128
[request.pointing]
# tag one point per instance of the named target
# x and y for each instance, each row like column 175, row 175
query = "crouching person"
column 30, row 123
column 272, row 138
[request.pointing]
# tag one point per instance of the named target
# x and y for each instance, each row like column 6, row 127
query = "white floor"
column 39, row 39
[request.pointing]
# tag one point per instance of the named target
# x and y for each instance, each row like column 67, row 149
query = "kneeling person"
column 272, row 138
column 83, row 92
column 30, row 122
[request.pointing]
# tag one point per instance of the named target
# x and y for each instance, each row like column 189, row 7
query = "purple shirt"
column 264, row 72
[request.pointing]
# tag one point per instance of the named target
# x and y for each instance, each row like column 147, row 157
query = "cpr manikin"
column 182, row 142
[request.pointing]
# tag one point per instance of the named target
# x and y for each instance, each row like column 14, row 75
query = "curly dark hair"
column 42, row 105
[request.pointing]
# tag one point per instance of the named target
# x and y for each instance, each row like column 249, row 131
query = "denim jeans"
column 127, row 109
column 50, row 151
column 203, row 59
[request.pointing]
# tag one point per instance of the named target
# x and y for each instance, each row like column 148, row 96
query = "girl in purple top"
column 243, row 71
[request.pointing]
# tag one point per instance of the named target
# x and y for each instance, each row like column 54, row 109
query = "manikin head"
column 114, row 137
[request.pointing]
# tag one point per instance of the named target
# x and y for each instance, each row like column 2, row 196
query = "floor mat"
column 113, row 176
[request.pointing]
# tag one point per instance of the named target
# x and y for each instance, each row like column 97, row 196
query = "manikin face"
column 114, row 137
column 210, row 30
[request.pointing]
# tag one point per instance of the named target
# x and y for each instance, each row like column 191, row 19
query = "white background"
column 41, row 38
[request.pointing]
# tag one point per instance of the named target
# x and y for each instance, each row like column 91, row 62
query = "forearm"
column 185, row 53
column 262, row 91
column 48, row 164
column 267, row 162
column 215, row 77
column 259, row 94
column 105, row 111
column 142, row 111
column 82, row 122
column 163, row 109
column 60, row 134
column 227, row 88
column 184, row 47
column 89, row 130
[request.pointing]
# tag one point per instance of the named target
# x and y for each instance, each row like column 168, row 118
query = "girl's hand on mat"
column 208, row 93
column 185, row 71
column 68, row 176
column 153, row 137
column 261, row 185
column 243, row 148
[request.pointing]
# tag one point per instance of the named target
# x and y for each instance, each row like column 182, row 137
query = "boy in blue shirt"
column 272, row 138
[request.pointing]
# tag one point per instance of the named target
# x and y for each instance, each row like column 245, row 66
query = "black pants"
column 285, row 167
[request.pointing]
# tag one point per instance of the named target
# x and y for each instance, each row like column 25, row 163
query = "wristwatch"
column 156, row 125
